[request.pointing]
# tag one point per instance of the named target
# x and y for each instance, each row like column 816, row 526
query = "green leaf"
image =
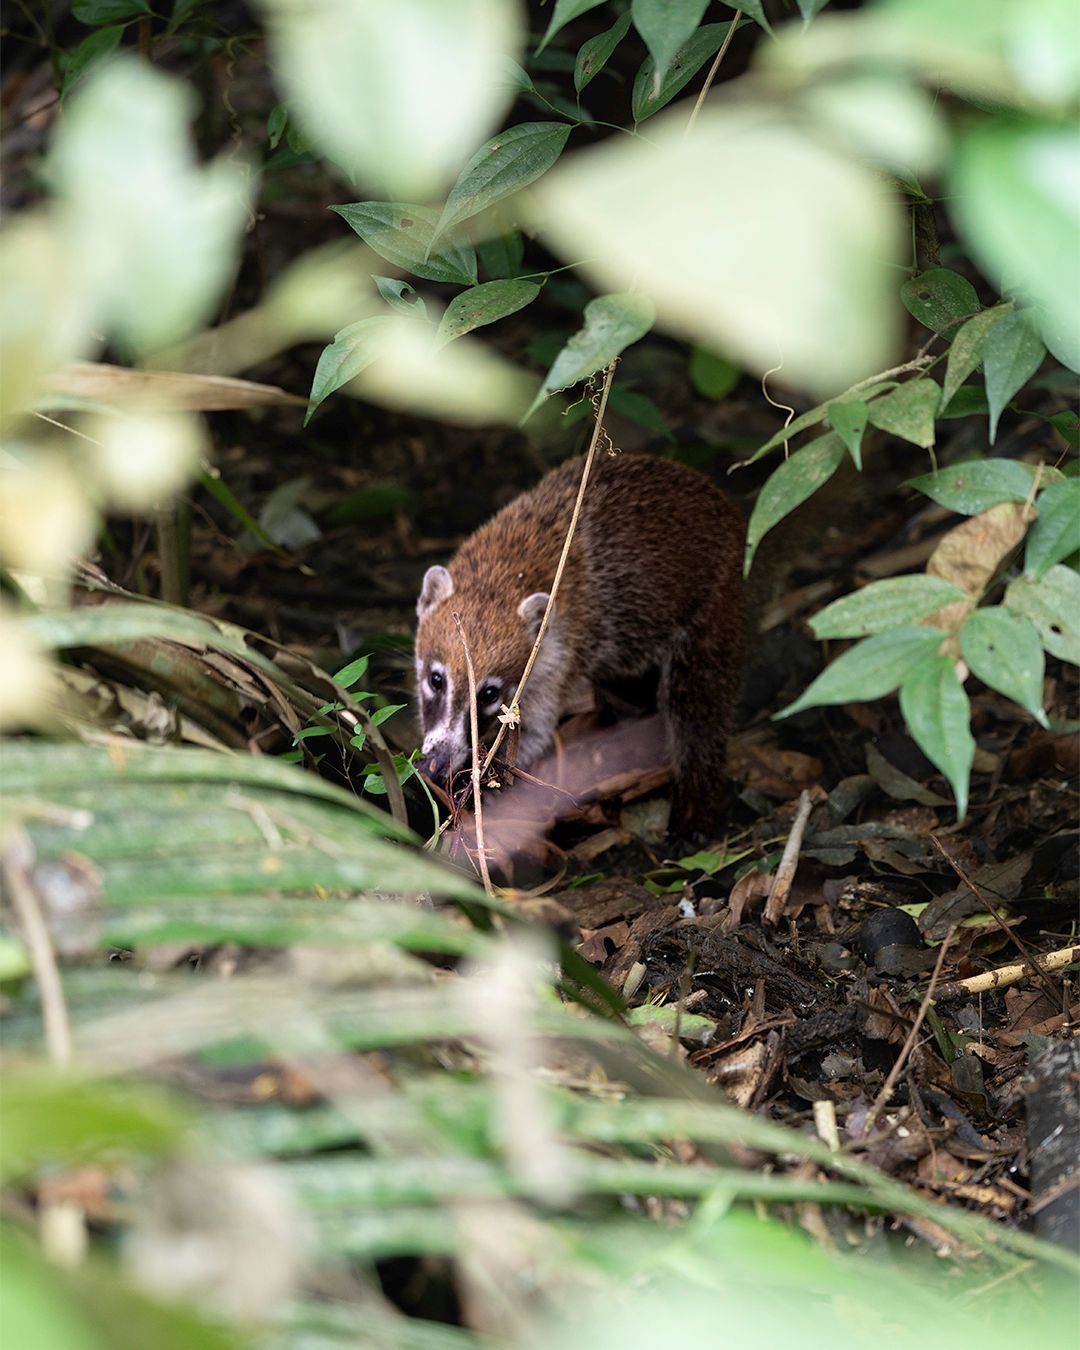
column 1003, row 650
column 639, row 408
column 978, row 485
column 348, row 675
column 649, row 97
column 612, row 323
column 885, row 604
column 379, row 716
column 966, row 352
column 352, row 350
column 276, row 123
column 594, row 55
column 394, row 292
column 90, row 51
column 1012, row 353
column 756, row 10
column 666, row 26
column 1067, row 425
column 403, row 234
column 483, row 304
column 562, row 14
column 813, row 416
column 1056, row 533
column 938, row 714
column 1052, row 603
column 98, row 12
column 871, row 669
column 789, row 486
column 502, row 257
column 939, row 299
column 968, row 400
column 908, row 411
column 507, row 163
column 849, row 420
column 711, row 375
column 1015, row 201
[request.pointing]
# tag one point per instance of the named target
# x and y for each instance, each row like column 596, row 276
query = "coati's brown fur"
column 652, row 582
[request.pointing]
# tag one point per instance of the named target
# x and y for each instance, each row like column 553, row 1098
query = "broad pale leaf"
column 403, row 234
column 938, row 714
column 883, row 605
column 939, row 299
column 1053, row 605
column 397, row 92
column 1014, row 195
column 396, row 293
column 155, row 236
column 482, row 305
column 1003, row 649
column 594, row 55
column 966, row 351
column 612, row 323
column 1056, row 533
column 650, row 95
column 908, row 411
column 789, row 486
column 978, row 485
column 741, row 272
column 665, row 26
column 1012, row 353
column 871, row 669
column 849, row 422
column 508, row 162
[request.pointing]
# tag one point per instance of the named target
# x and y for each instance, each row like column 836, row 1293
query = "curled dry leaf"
column 972, row 552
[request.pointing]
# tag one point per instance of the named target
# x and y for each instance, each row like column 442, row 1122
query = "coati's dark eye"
column 489, row 693
column 436, row 679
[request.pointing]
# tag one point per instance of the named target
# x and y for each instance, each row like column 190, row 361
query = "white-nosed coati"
column 652, row 583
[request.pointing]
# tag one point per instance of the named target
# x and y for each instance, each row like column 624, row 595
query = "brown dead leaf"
column 765, row 767
column 971, row 553
column 163, row 390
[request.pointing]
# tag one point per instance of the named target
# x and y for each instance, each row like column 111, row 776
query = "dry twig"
column 785, row 873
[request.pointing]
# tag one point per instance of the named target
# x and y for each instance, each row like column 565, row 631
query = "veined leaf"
column 650, row 95
column 1003, row 650
column 849, row 420
column 403, row 234
column 789, row 486
column 594, row 55
column 978, row 485
column 484, row 304
column 871, row 669
column 938, row 714
column 1052, row 603
column 883, row 605
column 939, row 299
column 1012, row 353
column 665, row 26
column 562, row 14
column 352, row 350
column 1056, row 533
column 908, row 411
column 966, row 352
column 612, row 323
column 507, row 163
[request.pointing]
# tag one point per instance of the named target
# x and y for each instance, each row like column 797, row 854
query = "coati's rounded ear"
column 438, row 584
column 532, row 609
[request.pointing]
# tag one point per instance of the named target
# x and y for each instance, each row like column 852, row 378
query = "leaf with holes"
column 1012, row 353
column 849, row 422
column 1002, row 648
column 884, row 605
column 665, row 26
column 908, row 411
column 612, row 323
column 789, row 486
column 938, row 715
column 396, row 292
column 871, row 669
column 508, row 162
column 403, row 234
column 966, row 352
column 974, row 487
column 649, row 96
column 1053, row 605
column 483, row 304
column 1056, row 533
column 939, row 299
column 594, row 55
